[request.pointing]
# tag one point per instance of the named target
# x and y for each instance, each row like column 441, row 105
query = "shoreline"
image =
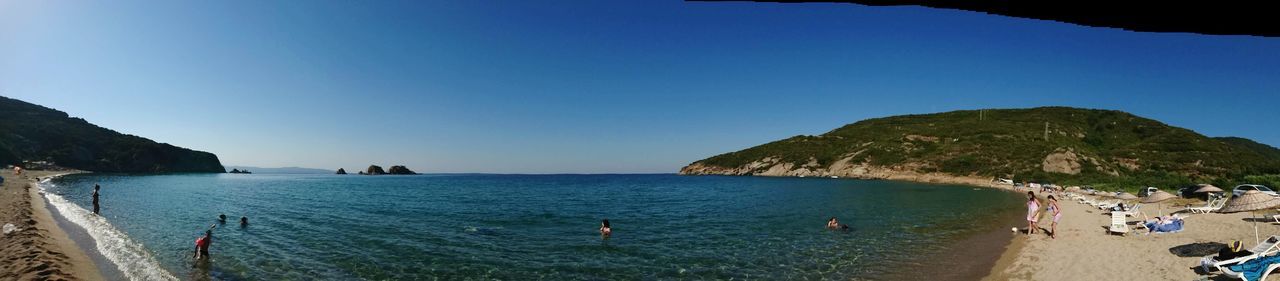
column 39, row 248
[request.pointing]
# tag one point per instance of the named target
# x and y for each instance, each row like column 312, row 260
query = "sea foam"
column 129, row 256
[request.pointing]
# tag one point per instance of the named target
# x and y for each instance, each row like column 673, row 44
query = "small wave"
column 111, row 242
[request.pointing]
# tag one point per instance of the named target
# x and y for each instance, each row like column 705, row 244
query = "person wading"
column 202, row 244
column 95, row 198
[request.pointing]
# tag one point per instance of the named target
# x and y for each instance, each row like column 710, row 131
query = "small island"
column 400, row 170
column 238, row 171
column 341, row 171
column 377, row 170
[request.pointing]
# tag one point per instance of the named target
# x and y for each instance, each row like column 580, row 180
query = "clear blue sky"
column 587, row 86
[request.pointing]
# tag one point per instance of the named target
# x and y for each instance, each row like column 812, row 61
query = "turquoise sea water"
column 521, row 227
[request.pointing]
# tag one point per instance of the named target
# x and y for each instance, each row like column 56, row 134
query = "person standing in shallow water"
column 605, row 230
column 95, row 198
column 202, row 245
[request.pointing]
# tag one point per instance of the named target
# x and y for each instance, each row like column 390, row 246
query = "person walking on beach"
column 605, row 230
column 1057, row 214
column 202, row 245
column 1033, row 212
column 95, row 198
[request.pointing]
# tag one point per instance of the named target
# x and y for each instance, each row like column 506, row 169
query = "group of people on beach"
column 1033, row 214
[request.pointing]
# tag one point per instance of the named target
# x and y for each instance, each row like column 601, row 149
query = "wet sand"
column 38, row 249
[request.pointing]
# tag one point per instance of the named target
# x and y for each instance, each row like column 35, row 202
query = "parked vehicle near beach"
column 1147, row 191
column 1241, row 189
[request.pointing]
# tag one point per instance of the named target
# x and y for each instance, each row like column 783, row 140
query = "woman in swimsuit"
column 1033, row 212
column 1057, row 214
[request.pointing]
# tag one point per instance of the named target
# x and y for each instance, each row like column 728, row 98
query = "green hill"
column 1054, row 144
column 30, row 132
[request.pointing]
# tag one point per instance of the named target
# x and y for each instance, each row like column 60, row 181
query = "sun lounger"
column 1118, row 224
column 1254, row 269
column 1106, row 205
column 1266, row 248
column 1132, row 212
column 1211, row 206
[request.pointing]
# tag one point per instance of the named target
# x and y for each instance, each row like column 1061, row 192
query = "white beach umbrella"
column 1250, row 201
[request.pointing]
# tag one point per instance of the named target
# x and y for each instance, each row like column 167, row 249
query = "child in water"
column 605, row 230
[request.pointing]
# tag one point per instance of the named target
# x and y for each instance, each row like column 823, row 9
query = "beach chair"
column 1269, row 247
column 1109, row 205
column 1209, row 207
column 1118, row 224
column 1105, row 205
column 1266, row 248
column 1132, row 211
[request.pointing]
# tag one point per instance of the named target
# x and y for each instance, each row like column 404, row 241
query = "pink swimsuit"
column 1057, row 213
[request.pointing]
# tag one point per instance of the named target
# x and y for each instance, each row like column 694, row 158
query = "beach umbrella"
column 1250, row 201
column 1156, row 197
column 1207, row 188
column 1126, row 196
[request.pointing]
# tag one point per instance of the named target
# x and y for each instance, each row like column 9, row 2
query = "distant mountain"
column 1058, row 144
column 30, row 132
column 285, row 170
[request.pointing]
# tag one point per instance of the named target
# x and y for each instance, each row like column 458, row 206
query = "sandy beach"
column 38, row 249
column 1084, row 251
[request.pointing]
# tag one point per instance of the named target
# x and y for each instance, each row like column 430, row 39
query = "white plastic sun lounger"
column 1209, row 207
column 1132, row 212
column 1268, row 247
column 1118, row 224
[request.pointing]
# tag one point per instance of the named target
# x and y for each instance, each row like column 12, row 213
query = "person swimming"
column 222, row 218
column 605, row 230
column 834, row 224
column 244, row 221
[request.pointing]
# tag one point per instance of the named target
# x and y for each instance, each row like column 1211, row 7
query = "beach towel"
column 1174, row 226
column 1253, row 269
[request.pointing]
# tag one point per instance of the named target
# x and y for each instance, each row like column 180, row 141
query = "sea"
column 520, row 227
